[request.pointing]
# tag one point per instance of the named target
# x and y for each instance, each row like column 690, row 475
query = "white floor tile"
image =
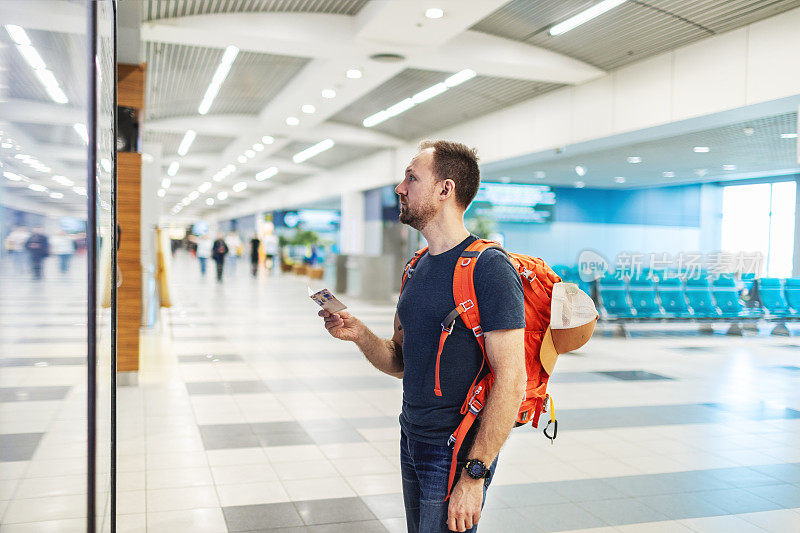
column 178, row 477
column 318, row 489
column 305, row 469
column 182, row 498
column 251, row 493
column 247, row 473
column 209, row 520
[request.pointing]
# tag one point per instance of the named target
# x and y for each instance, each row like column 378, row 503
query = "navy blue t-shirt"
column 426, row 300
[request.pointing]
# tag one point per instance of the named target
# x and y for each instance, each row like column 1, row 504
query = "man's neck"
column 444, row 234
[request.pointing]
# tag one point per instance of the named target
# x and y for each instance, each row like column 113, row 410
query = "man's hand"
column 342, row 325
column 466, row 501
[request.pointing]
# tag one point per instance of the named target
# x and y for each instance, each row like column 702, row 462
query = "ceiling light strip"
column 32, row 57
column 584, row 16
column 219, row 77
column 404, row 105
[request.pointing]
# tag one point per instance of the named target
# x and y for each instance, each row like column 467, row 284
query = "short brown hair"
column 458, row 162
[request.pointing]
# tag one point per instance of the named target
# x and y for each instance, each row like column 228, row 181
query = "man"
column 38, row 247
column 218, row 254
column 440, row 183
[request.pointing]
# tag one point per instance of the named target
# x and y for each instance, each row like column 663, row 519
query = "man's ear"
column 447, row 187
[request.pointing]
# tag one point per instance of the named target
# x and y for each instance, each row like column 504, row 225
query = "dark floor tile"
column 370, row 422
column 622, row 511
column 333, row 510
column 18, row 446
column 579, row 377
column 559, row 517
column 644, row 485
column 583, row 490
column 261, row 517
column 742, row 476
column 224, row 436
column 284, row 439
column 367, row 526
column 276, row 427
column 680, row 506
column 634, row 375
column 756, row 410
column 336, row 436
column 206, row 387
column 786, row 495
column 386, row 505
column 787, row 472
column 736, row 501
column 526, row 494
column 226, row 387
column 32, row 394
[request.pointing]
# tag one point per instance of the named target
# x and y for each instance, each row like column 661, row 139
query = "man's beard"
column 417, row 218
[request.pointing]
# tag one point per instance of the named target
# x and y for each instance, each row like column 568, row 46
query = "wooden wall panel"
column 129, row 293
column 130, row 85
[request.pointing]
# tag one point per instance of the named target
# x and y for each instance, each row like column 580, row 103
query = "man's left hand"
column 466, row 501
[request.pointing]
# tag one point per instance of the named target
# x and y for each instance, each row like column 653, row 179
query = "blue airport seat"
column 701, row 302
column 614, row 297
column 791, row 289
column 563, row 271
column 643, row 297
column 726, row 295
column 748, row 278
column 672, row 296
column 770, row 290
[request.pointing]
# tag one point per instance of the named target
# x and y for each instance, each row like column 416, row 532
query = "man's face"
column 418, row 192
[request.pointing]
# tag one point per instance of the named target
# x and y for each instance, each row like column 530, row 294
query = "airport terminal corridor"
column 249, row 417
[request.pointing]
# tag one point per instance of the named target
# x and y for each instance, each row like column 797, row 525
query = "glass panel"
column 781, row 241
column 106, row 153
column 745, row 219
column 43, row 265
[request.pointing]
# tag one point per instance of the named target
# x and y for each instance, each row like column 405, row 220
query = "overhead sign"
column 506, row 202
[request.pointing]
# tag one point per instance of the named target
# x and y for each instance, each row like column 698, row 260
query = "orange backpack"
column 537, row 283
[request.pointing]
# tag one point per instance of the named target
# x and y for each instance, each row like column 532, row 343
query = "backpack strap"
column 409, row 269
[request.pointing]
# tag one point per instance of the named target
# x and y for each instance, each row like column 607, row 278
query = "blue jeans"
column 425, row 469
column 203, row 265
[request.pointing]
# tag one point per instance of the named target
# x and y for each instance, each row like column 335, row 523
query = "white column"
column 352, row 225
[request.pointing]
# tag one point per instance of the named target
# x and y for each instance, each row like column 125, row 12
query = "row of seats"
column 659, row 295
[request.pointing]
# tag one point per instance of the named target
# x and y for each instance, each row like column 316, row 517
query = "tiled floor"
column 249, row 417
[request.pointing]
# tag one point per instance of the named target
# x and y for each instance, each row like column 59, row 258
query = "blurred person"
column 255, row 244
column 203, row 247
column 270, row 250
column 15, row 245
column 439, row 184
column 38, row 247
column 220, row 250
column 234, row 244
column 63, row 246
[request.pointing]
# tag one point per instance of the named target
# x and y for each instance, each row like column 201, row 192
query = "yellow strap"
column 552, row 409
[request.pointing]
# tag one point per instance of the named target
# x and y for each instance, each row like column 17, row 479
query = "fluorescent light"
column 579, row 185
column 56, row 195
column 353, row 73
column 584, row 16
column 460, row 77
column 701, row 149
column 222, row 195
column 13, row 177
column 173, row 168
column 249, row 153
column 18, row 35
column 241, row 159
column 539, row 174
column 193, row 196
column 204, row 186
column 308, row 109
column 668, row 174
column 187, row 141
column 106, row 164
column 36, row 187
column 80, row 129
column 229, row 168
column 239, row 187
column 619, row 179
column 165, row 183
column 219, row 77
column 728, row 167
column 161, row 193
column 634, row 159
column 32, row 57
column 258, row 147
column 422, row 96
column 23, row 157
column 209, row 201
column 292, row 121
column 57, row 95
column 267, row 139
column 788, row 136
column 63, row 180
column 186, row 201
column 79, row 190
column 580, row 171
column 266, row 174
column 328, row 93
column 312, row 151
column 6, row 145
column 434, row 13
column 429, row 93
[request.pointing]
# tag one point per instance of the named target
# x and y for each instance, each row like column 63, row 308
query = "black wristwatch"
column 476, row 469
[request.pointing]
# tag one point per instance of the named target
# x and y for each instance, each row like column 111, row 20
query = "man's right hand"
column 342, row 325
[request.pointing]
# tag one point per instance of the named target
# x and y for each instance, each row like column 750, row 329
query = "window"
column 760, row 218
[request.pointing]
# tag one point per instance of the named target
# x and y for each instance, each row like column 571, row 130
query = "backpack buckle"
column 465, row 306
column 475, row 406
column 451, row 441
column 477, row 331
column 449, row 329
column 465, row 261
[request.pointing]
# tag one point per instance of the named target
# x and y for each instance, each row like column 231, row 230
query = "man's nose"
column 398, row 189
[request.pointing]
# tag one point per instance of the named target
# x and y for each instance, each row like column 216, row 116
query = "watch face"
column 476, row 469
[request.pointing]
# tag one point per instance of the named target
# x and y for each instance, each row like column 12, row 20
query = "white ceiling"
column 292, row 49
